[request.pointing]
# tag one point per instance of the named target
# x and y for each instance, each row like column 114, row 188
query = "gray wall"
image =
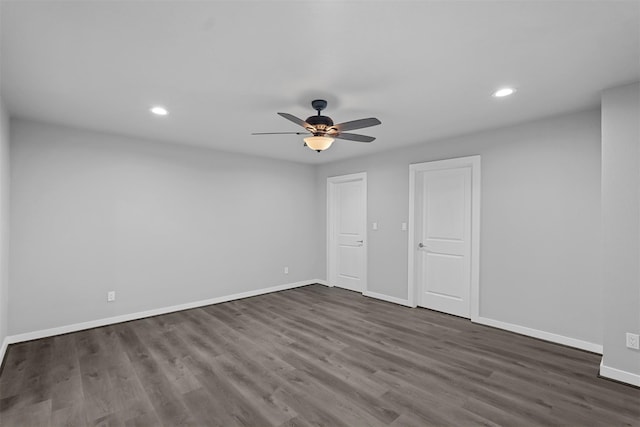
column 4, row 222
column 164, row 224
column 160, row 224
column 540, row 221
column 621, row 224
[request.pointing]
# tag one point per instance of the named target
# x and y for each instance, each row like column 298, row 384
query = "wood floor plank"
column 310, row 356
column 258, row 387
column 32, row 415
column 164, row 398
column 358, row 396
column 70, row 415
column 206, row 410
column 222, row 390
column 318, row 405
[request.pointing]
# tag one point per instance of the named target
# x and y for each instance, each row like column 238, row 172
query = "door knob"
column 420, row 245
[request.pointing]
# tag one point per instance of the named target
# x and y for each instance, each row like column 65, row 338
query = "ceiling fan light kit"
column 324, row 131
column 318, row 143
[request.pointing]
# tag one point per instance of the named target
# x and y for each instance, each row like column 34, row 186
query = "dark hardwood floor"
column 307, row 356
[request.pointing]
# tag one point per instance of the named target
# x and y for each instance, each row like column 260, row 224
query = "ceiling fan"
column 323, row 130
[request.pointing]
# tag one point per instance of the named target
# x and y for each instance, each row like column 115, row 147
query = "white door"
column 443, row 240
column 346, row 196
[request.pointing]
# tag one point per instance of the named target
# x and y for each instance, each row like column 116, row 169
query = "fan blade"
column 357, row 124
column 280, row 133
column 295, row 120
column 354, row 137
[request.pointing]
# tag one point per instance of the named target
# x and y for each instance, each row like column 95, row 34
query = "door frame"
column 332, row 181
column 415, row 169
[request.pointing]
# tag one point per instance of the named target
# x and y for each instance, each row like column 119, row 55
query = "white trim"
column 619, row 375
column 411, row 297
column 3, row 349
column 387, row 298
column 332, row 180
column 323, row 282
column 34, row 335
column 535, row 333
column 474, row 163
column 476, row 185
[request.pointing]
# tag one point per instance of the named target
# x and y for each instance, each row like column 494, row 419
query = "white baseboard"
column 3, row 349
column 535, row 333
column 618, row 375
column 571, row 342
column 387, row 298
column 547, row 336
column 142, row 314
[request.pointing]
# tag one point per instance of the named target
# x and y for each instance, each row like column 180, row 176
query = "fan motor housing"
column 320, row 120
column 319, row 125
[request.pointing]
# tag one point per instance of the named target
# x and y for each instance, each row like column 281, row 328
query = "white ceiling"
column 426, row 69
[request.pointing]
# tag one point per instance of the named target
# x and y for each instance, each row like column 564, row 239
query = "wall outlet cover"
column 633, row 341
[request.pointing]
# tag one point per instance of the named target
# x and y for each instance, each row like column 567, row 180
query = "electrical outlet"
column 633, row 341
column 286, row 270
column 111, row 296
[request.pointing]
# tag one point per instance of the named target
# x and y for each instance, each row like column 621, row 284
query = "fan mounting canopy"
column 319, row 105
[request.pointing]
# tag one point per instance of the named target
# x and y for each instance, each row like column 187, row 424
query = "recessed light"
column 505, row 91
column 160, row 111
